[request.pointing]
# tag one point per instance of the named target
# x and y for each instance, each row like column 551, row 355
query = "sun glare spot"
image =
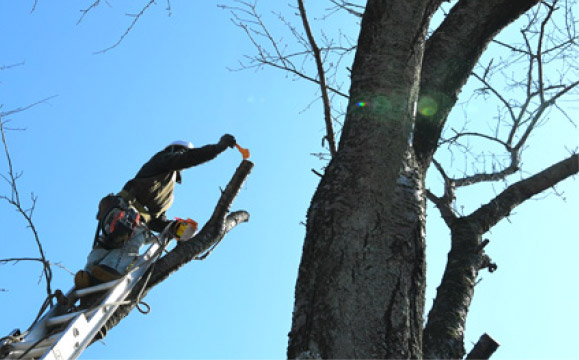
column 427, row 106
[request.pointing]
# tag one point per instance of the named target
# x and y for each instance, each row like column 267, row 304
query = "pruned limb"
column 484, row 348
column 220, row 223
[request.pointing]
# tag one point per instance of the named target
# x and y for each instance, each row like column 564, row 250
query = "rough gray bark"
column 220, row 223
column 360, row 291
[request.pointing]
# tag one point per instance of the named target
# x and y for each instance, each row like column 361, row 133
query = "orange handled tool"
column 244, row 152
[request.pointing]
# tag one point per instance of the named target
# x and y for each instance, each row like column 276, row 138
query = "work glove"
column 180, row 229
column 227, row 141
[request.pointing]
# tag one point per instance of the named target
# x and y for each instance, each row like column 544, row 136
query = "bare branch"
column 502, row 205
column 23, row 108
column 322, row 78
column 135, row 19
column 496, row 93
column 14, row 200
column 87, row 10
column 540, row 48
column 351, row 8
column 6, row 67
column 526, row 115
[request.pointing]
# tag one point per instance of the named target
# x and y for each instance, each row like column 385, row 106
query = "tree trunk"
column 360, row 290
column 444, row 332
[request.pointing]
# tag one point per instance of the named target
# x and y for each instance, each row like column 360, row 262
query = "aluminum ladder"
column 64, row 335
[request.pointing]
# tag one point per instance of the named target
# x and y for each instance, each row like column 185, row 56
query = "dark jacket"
column 153, row 185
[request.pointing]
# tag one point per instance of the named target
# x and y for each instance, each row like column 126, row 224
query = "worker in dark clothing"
column 127, row 218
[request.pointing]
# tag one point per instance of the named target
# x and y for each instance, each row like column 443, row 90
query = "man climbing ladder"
column 125, row 219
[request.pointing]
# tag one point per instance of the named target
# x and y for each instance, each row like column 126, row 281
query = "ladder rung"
column 94, row 289
column 23, row 345
column 34, row 353
column 57, row 320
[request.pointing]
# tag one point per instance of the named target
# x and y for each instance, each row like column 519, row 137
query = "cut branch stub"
column 484, row 348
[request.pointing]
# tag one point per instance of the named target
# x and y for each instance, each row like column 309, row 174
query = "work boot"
column 104, row 273
column 82, row 280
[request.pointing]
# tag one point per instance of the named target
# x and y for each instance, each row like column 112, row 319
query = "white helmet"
column 181, row 143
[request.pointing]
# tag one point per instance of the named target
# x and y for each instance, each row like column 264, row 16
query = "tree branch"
column 220, row 223
column 351, row 8
column 136, row 18
column 450, row 56
column 14, row 200
column 322, row 77
column 501, row 206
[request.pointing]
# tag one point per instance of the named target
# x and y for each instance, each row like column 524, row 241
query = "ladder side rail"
column 39, row 333
column 80, row 332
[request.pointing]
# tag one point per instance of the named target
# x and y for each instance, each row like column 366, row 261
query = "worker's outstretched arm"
column 175, row 161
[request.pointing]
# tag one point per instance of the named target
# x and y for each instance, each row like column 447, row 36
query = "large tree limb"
column 450, row 56
column 502, row 205
column 220, row 223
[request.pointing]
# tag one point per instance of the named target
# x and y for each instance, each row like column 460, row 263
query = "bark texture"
column 444, row 332
column 360, row 290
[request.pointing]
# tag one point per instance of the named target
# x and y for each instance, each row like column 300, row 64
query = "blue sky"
column 169, row 80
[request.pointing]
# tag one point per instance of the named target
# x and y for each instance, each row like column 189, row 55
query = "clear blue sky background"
column 169, row 80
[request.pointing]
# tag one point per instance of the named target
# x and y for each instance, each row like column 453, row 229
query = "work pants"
column 123, row 258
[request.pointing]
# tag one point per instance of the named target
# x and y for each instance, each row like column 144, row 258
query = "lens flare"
column 361, row 104
column 427, row 106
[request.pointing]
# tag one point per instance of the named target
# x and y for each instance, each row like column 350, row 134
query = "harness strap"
column 132, row 200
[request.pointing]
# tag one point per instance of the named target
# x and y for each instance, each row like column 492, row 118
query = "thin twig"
column 135, row 19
